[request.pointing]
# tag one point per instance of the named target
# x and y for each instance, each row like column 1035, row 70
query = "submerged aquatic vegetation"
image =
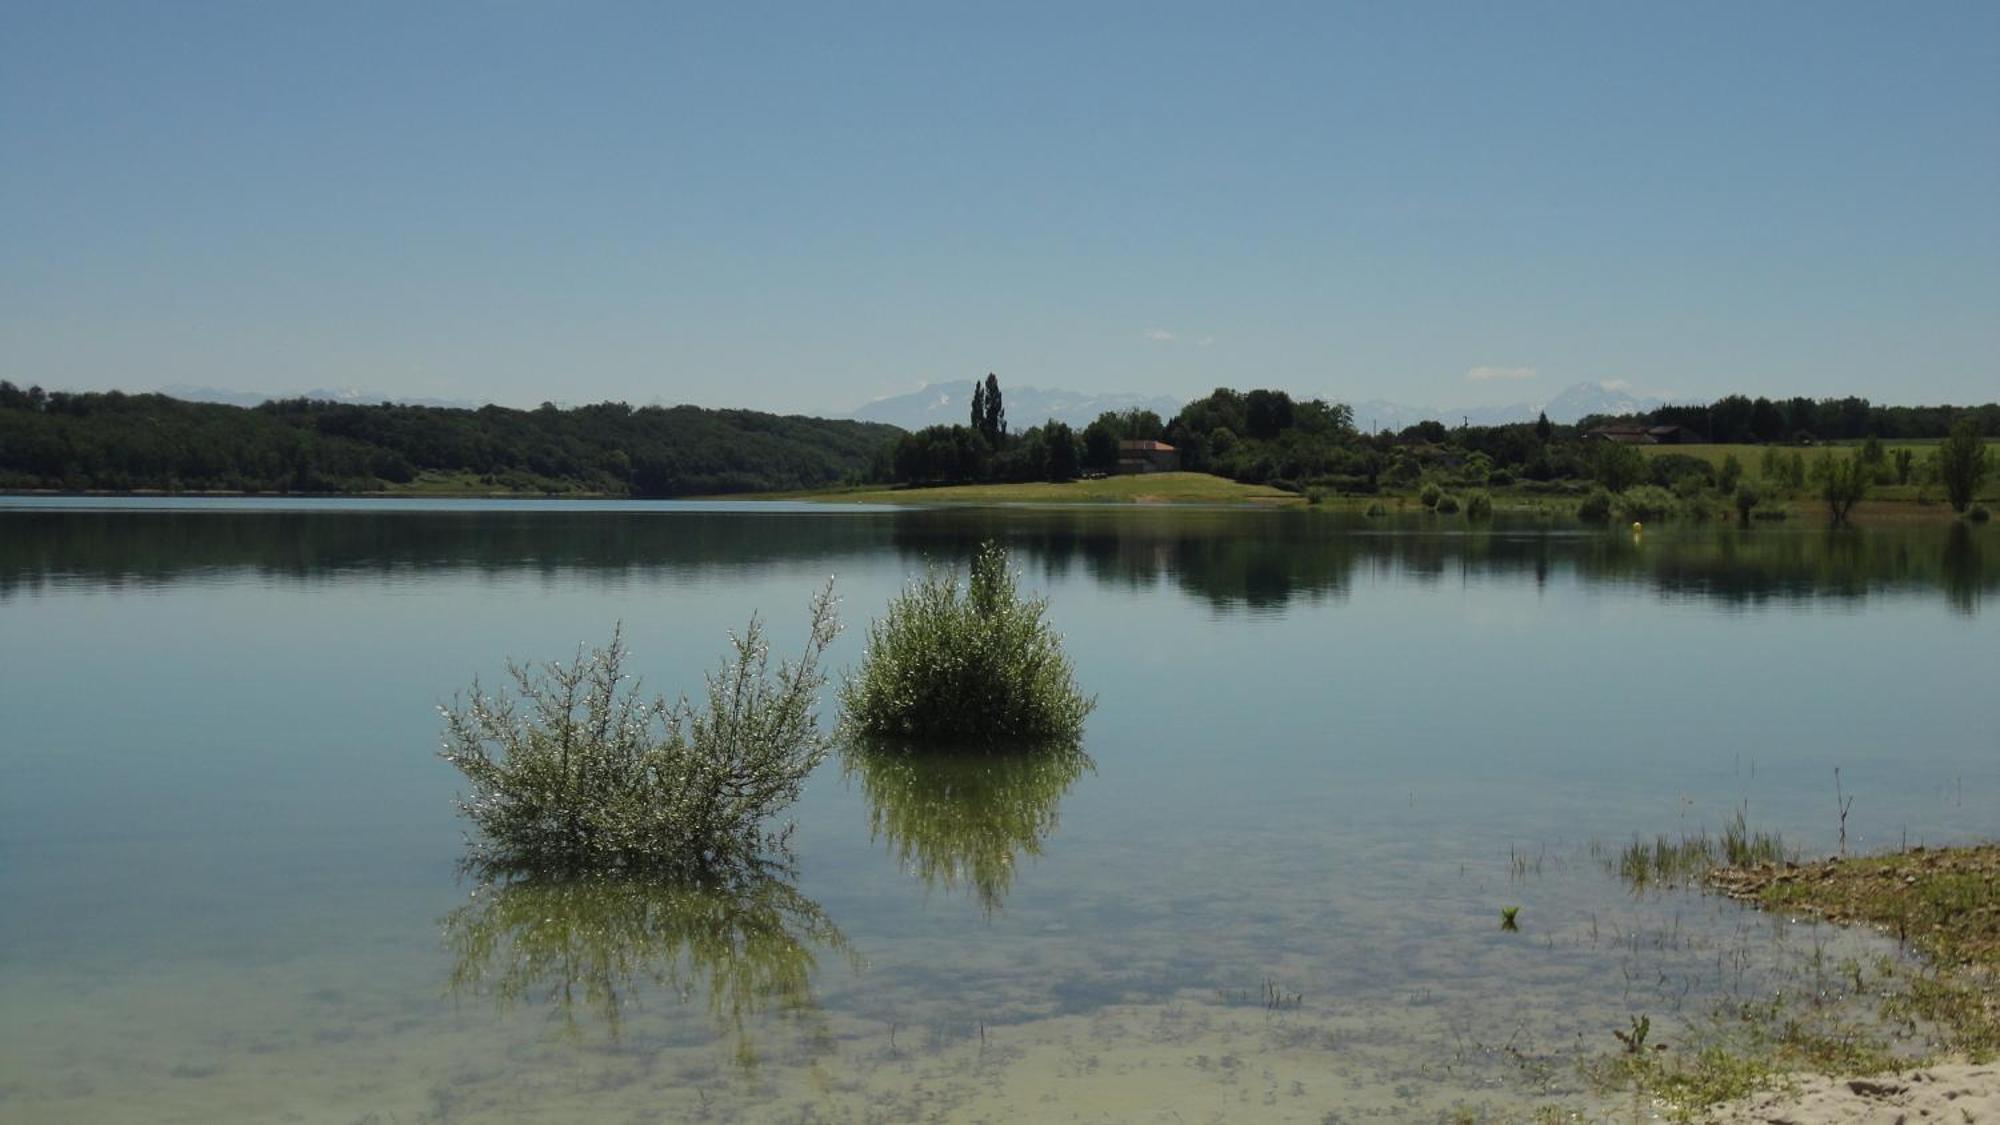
column 957, row 819
column 742, row 935
column 576, row 770
column 971, row 663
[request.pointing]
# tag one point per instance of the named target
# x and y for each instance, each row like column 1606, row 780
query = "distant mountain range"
column 944, row 404
column 947, row 403
column 188, row 393
column 1570, row 405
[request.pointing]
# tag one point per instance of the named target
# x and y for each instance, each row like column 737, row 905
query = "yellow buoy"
column 1637, row 526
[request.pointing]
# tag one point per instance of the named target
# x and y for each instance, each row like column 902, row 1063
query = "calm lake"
column 1326, row 753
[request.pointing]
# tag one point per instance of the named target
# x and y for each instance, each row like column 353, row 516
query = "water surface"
column 1326, row 752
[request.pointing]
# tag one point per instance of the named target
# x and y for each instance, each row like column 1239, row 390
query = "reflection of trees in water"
column 166, row 545
column 746, row 939
column 1263, row 560
column 1963, row 569
column 964, row 819
column 1231, row 559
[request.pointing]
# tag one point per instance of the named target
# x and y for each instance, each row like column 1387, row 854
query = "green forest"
column 119, row 442
column 113, row 442
column 1267, row 437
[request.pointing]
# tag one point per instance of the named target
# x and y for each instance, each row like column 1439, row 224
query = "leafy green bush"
column 1843, row 483
column 1617, row 466
column 1446, row 505
column 1668, row 470
column 1479, row 506
column 971, row 664
column 1430, row 495
column 1376, row 511
column 1961, row 462
column 1646, row 502
column 576, row 771
column 1746, row 501
column 1979, row 514
column 1729, row 475
column 1596, row 508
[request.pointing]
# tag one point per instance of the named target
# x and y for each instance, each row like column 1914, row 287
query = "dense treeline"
column 1310, row 446
column 1256, row 436
column 1739, row 419
column 1259, row 436
column 113, row 441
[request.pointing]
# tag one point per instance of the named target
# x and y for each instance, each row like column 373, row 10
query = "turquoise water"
column 1326, row 752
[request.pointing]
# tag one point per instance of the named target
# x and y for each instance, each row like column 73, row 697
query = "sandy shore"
column 1962, row 1094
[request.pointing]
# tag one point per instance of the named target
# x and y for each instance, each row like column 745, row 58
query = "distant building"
column 1644, row 435
column 1675, row 435
column 1621, row 435
column 1148, row 457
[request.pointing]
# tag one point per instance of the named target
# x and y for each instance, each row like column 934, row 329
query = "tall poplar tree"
column 994, row 425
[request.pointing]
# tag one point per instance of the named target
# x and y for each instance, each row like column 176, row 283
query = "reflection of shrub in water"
column 746, row 937
column 964, row 819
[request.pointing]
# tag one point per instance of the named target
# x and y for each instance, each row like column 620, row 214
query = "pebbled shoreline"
column 1951, row 1094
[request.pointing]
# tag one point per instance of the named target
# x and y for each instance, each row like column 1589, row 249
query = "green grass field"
column 1884, row 501
column 1752, row 455
column 1148, row 488
column 438, row 484
column 1882, row 498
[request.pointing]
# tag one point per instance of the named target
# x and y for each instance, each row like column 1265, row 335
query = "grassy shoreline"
column 1943, row 904
column 1890, row 504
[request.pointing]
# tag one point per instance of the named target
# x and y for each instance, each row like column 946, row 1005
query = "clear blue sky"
column 800, row 207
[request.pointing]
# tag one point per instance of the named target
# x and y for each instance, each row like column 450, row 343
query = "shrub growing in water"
column 1479, row 506
column 1430, row 495
column 1596, row 508
column 977, row 663
column 578, row 771
column 1446, row 505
